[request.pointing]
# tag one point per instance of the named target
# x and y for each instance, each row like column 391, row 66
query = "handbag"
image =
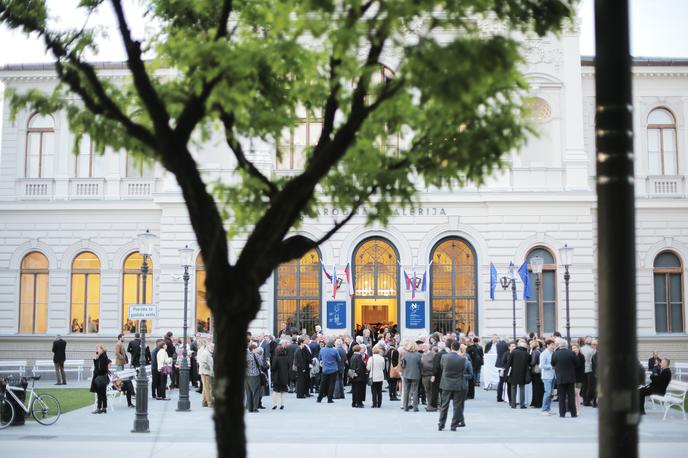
column 167, row 370
column 101, row 381
column 263, row 375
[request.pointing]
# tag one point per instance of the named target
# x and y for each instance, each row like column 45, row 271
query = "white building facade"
column 69, row 263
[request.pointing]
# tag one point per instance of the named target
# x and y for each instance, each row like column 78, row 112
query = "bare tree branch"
column 243, row 162
column 142, row 82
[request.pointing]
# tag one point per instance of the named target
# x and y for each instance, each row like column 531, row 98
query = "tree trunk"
column 230, row 369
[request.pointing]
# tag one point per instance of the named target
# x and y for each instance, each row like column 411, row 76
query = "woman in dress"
column 280, row 376
column 376, row 371
column 101, row 368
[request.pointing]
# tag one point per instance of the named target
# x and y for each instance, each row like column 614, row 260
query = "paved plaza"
column 336, row 430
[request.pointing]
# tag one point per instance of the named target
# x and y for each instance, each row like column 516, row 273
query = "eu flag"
column 493, row 280
column 525, row 278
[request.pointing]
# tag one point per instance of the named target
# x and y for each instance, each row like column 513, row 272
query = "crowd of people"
column 434, row 371
column 164, row 361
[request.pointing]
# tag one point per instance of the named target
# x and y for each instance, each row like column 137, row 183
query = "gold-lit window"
column 298, row 293
column 85, row 307
column 376, row 269
column 203, row 315
column 376, row 284
column 40, row 147
column 33, row 294
column 132, row 290
column 453, row 295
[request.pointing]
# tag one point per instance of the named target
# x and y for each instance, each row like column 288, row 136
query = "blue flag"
column 525, row 278
column 493, row 280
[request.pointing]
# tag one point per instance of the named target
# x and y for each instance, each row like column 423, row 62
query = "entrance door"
column 376, row 284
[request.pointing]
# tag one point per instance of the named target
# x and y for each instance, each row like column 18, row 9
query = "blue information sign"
column 336, row 314
column 415, row 314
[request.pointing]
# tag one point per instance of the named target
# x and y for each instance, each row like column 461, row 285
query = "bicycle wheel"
column 6, row 413
column 45, row 409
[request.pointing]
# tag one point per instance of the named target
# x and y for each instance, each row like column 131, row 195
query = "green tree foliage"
column 449, row 101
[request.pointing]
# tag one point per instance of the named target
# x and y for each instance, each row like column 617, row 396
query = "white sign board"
column 143, row 311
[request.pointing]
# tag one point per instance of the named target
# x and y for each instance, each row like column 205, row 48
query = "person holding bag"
column 164, row 368
column 394, row 371
column 376, row 375
column 100, row 379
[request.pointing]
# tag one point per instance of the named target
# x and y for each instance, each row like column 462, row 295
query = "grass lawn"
column 70, row 398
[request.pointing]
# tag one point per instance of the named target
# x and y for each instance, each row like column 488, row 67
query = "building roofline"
column 589, row 61
column 50, row 66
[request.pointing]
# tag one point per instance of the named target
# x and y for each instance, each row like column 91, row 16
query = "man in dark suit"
column 456, row 372
column 134, row 349
column 564, row 362
column 436, row 378
column 501, row 348
column 658, row 383
column 59, row 356
column 302, row 360
column 517, row 367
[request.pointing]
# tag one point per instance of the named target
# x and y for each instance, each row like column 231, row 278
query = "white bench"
column 13, row 367
column 675, row 396
column 70, row 365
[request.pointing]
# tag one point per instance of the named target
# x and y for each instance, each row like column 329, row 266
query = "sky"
column 659, row 28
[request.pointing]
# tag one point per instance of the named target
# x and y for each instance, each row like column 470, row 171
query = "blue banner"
column 336, row 314
column 415, row 314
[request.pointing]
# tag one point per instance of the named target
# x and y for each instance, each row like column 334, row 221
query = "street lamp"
column 506, row 281
column 183, row 405
column 141, row 425
column 566, row 256
column 536, row 263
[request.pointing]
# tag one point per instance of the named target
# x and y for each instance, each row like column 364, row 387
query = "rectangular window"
column 661, row 309
column 654, row 166
column 669, row 147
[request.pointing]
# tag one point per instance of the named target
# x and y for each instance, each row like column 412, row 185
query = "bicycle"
column 44, row 408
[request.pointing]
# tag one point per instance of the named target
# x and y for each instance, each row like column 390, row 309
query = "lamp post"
column 141, row 425
column 506, row 281
column 536, row 263
column 183, row 405
column 566, row 256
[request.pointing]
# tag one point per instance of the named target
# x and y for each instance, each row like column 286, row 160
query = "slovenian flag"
column 409, row 283
column 327, row 275
column 334, row 281
column 347, row 274
column 424, row 282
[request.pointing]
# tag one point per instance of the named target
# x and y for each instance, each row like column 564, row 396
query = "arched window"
column 203, row 315
column 668, row 279
column 132, row 290
column 85, row 293
column 298, row 293
column 291, row 150
column 661, row 143
column 376, row 284
column 40, row 146
column 541, row 307
column 88, row 164
column 453, row 292
column 33, row 294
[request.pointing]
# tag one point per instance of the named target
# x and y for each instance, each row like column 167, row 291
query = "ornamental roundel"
column 538, row 109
